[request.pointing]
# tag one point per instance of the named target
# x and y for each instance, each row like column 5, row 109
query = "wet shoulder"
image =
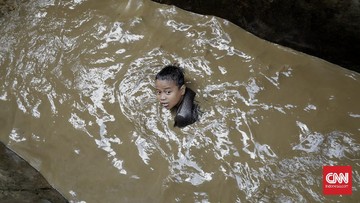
column 187, row 111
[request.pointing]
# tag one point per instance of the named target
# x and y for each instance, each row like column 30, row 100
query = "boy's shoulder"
column 185, row 112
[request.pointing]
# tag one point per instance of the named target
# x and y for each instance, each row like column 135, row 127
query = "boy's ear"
column 182, row 89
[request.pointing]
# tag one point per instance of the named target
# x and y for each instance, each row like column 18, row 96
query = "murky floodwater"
column 77, row 101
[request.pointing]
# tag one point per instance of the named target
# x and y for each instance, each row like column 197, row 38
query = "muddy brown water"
column 77, row 102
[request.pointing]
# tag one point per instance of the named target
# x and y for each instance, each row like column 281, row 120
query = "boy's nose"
column 162, row 97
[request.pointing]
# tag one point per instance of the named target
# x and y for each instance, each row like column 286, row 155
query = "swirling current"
column 77, row 102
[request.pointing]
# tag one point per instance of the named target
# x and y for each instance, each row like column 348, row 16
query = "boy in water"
column 172, row 94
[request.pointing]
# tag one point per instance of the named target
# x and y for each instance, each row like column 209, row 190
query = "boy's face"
column 168, row 93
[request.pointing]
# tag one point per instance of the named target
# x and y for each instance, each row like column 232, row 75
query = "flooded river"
column 77, row 101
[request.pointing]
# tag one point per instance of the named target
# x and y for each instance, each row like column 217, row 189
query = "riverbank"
column 19, row 182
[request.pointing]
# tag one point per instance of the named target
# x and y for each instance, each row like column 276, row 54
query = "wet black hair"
column 171, row 73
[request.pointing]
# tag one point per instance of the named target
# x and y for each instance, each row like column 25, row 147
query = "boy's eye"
column 167, row 92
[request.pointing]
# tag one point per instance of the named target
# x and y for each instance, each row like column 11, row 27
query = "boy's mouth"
column 165, row 105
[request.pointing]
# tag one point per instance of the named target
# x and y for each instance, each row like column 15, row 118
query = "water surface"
column 77, row 102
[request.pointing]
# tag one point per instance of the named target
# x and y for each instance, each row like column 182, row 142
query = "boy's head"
column 169, row 84
column 171, row 73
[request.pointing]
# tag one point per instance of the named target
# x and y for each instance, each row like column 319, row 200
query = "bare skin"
column 168, row 93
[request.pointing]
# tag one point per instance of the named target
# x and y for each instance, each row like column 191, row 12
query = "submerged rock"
column 19, row 182
column 327, row 29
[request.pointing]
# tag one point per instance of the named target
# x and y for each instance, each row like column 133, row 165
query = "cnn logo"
column 337, row 180
column 334, row 178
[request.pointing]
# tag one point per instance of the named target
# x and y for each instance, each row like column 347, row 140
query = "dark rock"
column 21, row 183
column 327, row 29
